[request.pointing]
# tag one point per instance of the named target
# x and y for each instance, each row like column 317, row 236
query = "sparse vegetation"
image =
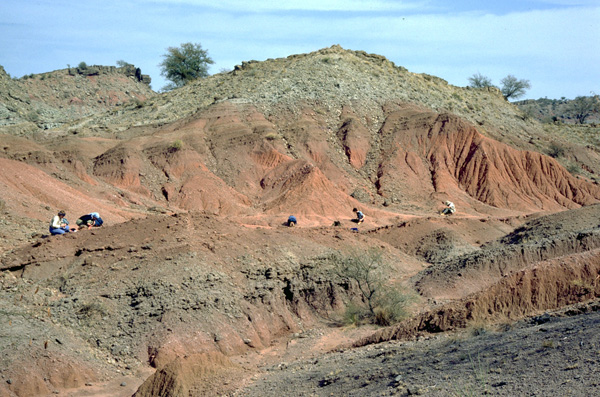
column 175, row 146
column 528, row 113
column 137, row 103
column 573, row 168
column 382, row 304
column 92, row 309
column 581, row 110
column 478, row 328
column 583, row 107
column 480, row 81
column 121, row 63
column 33, row 116
column 556, row 150
column 240, row 283
column 548, row 344
column 480, row 373
column 271, row 136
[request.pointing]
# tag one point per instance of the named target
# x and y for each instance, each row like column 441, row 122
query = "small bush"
column 82, row 65
column 89, row 310
column 175, row 146
column 548, row 344
column 528, row 113
column 121, row 63
column 354, row 315
column 457, row 96
column 33, row 116
column 391, row 306
column 137, row 103
column 478, row 329
column 556, row 150
column 573, row 169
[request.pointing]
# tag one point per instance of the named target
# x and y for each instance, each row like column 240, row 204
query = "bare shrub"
column 381, row 304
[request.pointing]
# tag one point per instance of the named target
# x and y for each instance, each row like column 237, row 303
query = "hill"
column 582, row 110
column 193, row 286
column 48, row 100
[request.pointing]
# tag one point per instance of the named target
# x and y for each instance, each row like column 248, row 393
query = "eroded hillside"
column 194, row 283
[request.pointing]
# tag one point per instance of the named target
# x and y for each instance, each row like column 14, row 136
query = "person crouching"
column 59, row 224
column 89, row 221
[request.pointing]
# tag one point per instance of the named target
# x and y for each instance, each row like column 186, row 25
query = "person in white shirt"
column 450, row 208
column 59, row 224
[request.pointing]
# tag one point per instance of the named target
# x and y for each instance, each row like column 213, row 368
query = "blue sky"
column 555, row 44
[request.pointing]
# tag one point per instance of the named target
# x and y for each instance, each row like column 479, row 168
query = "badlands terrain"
column 194, row 286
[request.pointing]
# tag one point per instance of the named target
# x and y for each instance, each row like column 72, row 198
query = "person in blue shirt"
column 90, row 220
column 360, row 217
column 292, row 221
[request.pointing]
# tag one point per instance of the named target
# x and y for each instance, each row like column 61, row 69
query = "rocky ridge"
column 48, row 100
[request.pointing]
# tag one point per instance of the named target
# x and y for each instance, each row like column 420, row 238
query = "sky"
column 554, row 44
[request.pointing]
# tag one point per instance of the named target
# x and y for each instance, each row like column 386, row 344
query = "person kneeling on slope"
column 59, row 224
column 360, row 217
column 450, row 208
column 292, row 221
column 89, row 220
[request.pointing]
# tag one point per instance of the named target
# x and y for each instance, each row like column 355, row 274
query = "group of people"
column 449, row 209
column 60, row 225
column 360, row 218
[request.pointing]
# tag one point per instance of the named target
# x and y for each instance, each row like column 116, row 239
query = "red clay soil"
column 194, row 271
column 229, row 161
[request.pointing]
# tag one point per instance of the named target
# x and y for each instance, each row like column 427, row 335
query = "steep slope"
column 442, row 154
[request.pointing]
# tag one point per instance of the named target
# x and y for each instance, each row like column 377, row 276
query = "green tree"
column 183, row 64
column 582, row 107
column 480, row 81
column 513, row 87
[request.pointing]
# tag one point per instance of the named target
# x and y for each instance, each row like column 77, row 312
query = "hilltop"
column 194, row 286
column 49, row 100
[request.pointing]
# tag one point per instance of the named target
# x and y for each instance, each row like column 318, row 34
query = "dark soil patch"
column 549, row 355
